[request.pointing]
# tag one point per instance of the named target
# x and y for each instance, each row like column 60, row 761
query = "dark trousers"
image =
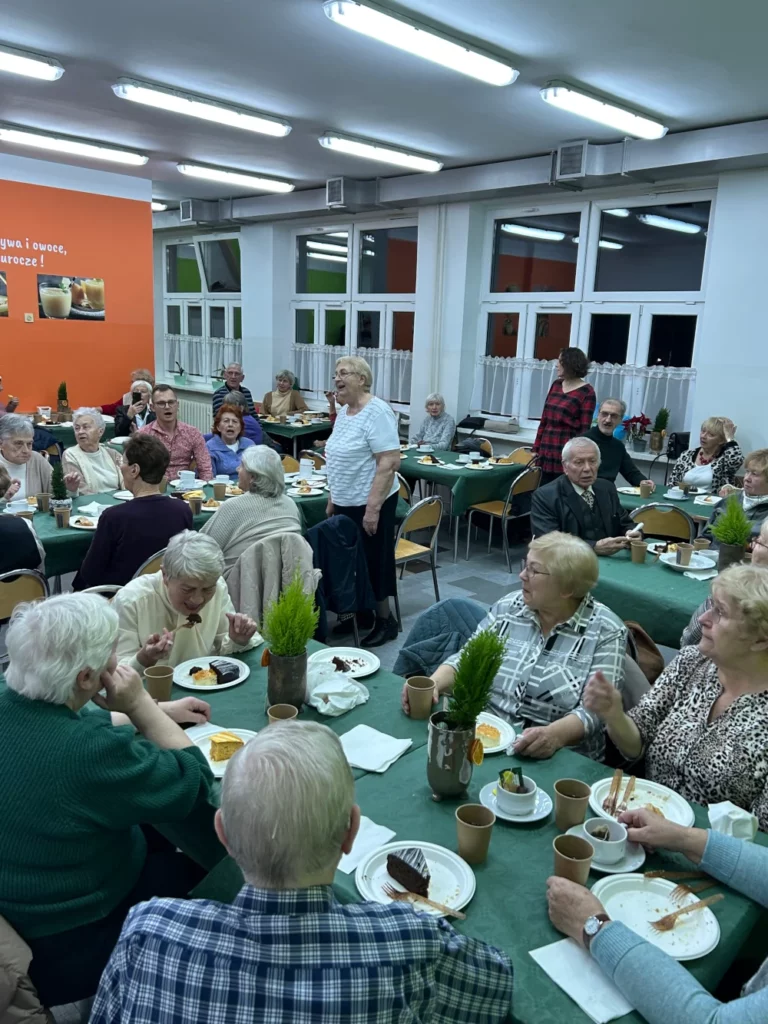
column 380, row 548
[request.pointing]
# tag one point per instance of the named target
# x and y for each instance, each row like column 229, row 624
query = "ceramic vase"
column 287, row 679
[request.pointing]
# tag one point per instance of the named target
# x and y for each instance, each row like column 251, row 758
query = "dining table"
column 697, row 511
column 293, row 430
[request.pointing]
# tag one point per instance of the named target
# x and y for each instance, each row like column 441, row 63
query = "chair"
column 151, row 565
column 18, row 586
column 527, row 481
column 666, row 521
column 52, row 449
column 485, row 445
column 318, row 460
column 290, row 465
column 521, row 456
column 405, row 491
column 425, row 515
column 106, row 590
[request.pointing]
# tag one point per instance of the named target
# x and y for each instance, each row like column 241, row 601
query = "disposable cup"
column 571, row 800
column 474, row 823
column 573, row 858
column 420, row 690
column 159, row 681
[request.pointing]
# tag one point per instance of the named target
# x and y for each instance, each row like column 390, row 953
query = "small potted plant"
column 732, row 531
column 180, row 375
column 217, row 380
column 636, row 427
column 59, row 497
column 62, row 406
column 289, row 623
column 452, row 748
column 659, row 429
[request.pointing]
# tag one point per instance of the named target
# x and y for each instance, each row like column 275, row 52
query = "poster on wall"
column 70, row 298
column 3, row 295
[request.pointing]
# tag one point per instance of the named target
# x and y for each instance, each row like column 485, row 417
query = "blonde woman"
column 284, row 400
column 715, row 462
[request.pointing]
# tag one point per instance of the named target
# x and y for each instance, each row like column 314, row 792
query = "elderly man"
column 285, row 949
column 614, row 457
column 184, row 442
column 233, row 381
column 579, row 502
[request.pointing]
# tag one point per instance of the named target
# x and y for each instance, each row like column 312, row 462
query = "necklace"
column 704, row 460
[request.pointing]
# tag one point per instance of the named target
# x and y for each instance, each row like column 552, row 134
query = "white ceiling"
column 684, row 60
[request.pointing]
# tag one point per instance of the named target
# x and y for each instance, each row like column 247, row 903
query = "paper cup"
column 164, row 485
column 281, row 713
column 219, row 490
column 43, row 501
column 420, row 690
column 195, row 505
column 473, row 824
column 701, row 544
column 645, row 490
column 62, row 517
column 571, row 800
column 159, row 681
column 683, row 555
column 639, row 549
column 573, row 857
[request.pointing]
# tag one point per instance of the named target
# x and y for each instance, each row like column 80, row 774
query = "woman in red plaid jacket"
column 567, row 413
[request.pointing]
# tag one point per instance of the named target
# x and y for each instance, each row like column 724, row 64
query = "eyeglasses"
column 345, row 373
column 759, row 543
column 166, row 405
column 531, row 570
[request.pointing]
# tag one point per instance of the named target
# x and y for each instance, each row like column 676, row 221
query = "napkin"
column 733, row 821
column 333, row 693
column 94, row 509
column 701, row 574
column 371, row 750
column 370, row 837
column 577, row 974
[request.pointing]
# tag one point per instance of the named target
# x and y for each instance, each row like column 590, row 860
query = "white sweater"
column 242, row 521
column 100, row 470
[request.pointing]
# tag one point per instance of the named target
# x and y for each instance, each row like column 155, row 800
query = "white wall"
column 266, row 295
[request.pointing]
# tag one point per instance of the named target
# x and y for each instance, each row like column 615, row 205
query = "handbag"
column 644, row 651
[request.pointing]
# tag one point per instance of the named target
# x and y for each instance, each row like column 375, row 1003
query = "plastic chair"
column 318, row 460
column 152, row 564
column 527, row 481
column 290, row 465
column 425, row 515
column 106, row 590
column 666, row 521
column 18, row 586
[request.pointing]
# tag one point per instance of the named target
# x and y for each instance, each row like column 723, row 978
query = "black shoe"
column 365, row 620
column 384, row 631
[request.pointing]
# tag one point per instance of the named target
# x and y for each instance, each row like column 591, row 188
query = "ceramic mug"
column 607, row 851
column 517, row 803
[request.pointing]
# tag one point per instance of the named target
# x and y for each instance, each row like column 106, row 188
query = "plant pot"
column 55, row 503
column 657, row 440
column 216, row 383
column 180, row 379
column 287, row 679
column 729, row 554
column 639, row 444
column 63, row 405
column 449, row 768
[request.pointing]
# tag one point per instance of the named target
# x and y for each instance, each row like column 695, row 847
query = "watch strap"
column 586, row 937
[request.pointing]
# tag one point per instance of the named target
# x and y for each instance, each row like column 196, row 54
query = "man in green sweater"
column 614, row 457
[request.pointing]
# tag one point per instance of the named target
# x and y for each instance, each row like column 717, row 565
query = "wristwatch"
column 591, row 927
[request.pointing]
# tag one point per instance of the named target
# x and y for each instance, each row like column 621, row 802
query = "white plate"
column 633, row 858
column 201, row 737
column 675, row 808
column 209, row 509
column 119, row 440
column 77, row 526
column 123, row 495
column 698, row 561
column 191, row 487
column 636, row 901
column 629, row 490
column 423, row 462
column 312, row 493
column 541, row 809
column 478, row 465
column 675, row 497
column 292, row 476
column 706, row 499
column 507, row 731
column 182, row 677
column 326, row 656
column 452, row 881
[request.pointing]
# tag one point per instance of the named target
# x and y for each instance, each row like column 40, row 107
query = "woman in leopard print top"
column 715, row 462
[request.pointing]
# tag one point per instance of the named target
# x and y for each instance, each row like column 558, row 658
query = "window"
column 237, row 322
column 182, row 273
column 609, row 337
column 173, row 319
column 321, row 263
column 402, row 330
column 671, row 339
column 503, row 329
column 335, row 332
column 305, row 326
column 388, row 261
column 221, row 263
column 368, row 328
column 553, row 334
column 543, row 263
column 217, row 321
column 195, row 320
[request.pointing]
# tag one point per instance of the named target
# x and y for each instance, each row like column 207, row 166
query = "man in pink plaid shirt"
column 183, row 441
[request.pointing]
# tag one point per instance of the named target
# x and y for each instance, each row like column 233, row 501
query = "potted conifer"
column 289, row 623
column 659, row 429
column 732, row 531
column 452, row 748
column 59, row 497
column 62, row 406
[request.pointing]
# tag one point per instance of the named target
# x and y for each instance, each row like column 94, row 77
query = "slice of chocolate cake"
column 409, row 868
column 225, row 671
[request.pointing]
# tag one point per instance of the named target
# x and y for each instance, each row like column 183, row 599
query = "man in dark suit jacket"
column 582, row 504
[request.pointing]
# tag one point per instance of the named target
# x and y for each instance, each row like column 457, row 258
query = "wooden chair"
column 665, row 521
column 318, row 461
column 290, row 465
column 425, row 515
column 521, row 456
column 527, row 481
column 18, row 586
column 151, row 565
column 485, row 445
column 105, row 590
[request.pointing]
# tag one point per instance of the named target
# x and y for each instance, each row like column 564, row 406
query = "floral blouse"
column 724, row 467
column 725, row 759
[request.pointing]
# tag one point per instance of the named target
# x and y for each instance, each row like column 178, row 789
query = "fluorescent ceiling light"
column 198, row 106
column 239, row 178
column 33, row 65
column 368, row 252
column 72, row 147
column 338, row 234
column 521, row 229
column 413, row 37
column 655, row 221
column 326, row 256
column 159, row 207
column 378, row 151
column 577, row 102
column 617, row 213
column 327, row 247
column 603, row 243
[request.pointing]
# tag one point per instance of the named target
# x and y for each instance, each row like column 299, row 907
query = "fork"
column 412, row 897
column 627, row 795
column 609, row 804
column 668, row 922
column 690, row 888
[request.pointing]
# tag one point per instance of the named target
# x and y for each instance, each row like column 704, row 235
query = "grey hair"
column 234, row 363
column 615, row 401
column 579, row 442
column 286, row 802
column 51, row 642
column 87, row 410
column 194, row 556
column 436, row 397
column 286, row 375
column 13, row 424
column 358, row 365
column 236, row 398
column 265, row 469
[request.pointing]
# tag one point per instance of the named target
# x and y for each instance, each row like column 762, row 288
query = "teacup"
column 221, row 478
column 187, row 477
column 517, row 803
column 607, row 851
column 463, row 458
column 475, row 456
column 426, row 448
column 676, row 492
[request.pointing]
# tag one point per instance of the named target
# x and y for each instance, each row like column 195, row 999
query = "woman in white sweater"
column 91, row 467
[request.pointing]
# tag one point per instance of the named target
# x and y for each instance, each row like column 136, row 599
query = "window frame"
column 195, row 241
column 386, row 297
column 321, row 229
column 634, row 310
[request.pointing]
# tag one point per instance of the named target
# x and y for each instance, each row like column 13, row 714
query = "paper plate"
column 540, row 811
column 78, row 526
column 478, row 465
column 313, row 492
column 507, row 732
column 674, row 807
column 182, row 677
column 629, row 490
column 123, row 495
column 636, row 901
column 452, row 881
column 209, row 509
column 365, row 663
column 201, row 737
column 633, row 858
column 698, row 561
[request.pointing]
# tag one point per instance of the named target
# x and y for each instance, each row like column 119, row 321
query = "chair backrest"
column 18, row 586
column 318, row 460
column 106, row 590
column 151, row 565
column 425, row 515
column 522, row 456
column 290, row 465
column 527, row 481
column 405, row 488
column 52, row 449
column 660, row 520
column 485, row 445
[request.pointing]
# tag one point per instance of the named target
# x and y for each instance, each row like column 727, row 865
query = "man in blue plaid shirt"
column 286, row 952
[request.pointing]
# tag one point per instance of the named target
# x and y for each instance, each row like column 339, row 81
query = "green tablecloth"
column 65, row 434
column 701, row 513
column 468, row 486
column 293, row 432
column 660, row 599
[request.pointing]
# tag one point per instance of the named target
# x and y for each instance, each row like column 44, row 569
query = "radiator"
column 197, row 412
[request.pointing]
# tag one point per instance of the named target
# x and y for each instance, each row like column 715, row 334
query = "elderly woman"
column 363, row 456
column 283, row 400
column 438, row 427
column 702, row 727
column 251, row 426
column 567, row 412
column 90, row 467
column 557, row 635
column 19, row 544
column 28, row 467
column 136, row 414
column 229, row 441
column 752, row 496
column 715, row 462
column 79, row 787
column 264, row 509
column 141, row 374
column 183, row 611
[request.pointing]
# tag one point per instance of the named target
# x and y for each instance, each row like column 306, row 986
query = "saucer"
column 633, row 858
column 541, row 810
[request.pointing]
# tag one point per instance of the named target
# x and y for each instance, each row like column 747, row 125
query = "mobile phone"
column 136, row 397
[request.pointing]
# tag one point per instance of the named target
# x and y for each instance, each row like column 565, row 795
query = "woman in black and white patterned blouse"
column 715, row 462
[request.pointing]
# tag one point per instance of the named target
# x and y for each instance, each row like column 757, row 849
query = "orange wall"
column 101, row 237
column 528, row 274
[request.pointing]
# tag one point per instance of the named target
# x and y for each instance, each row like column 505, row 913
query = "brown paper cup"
column 281, row 713
column 164, row 485
column 639, row 550
column 684, row 552
column 283, row 419
column 420, row 690
column 474, row 824
column 195, row 505
column 571, row 801
column 159, row 681
column 645, row 490
column 573, row 857
column 220, row 491
column 62, row 517
column 701, row 544
column 43, row 501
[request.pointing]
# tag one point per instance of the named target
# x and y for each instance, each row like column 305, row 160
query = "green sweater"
column 75, row 790
column 614, row 458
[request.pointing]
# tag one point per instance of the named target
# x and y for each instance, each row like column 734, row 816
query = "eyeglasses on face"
column 166, row 405
column 531, row 570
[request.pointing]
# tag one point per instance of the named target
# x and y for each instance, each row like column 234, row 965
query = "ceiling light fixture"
column 199, row 106
column 69, row 146
column 379, row 151
column 239, row 178
column 617, row 213
column 337, row 234
column 577, row 102
column 420, row 40
column 521, row 229
column 327, row 247
column 603, row 243
column 326, row 256
column 33, row 65
column 159, row 207
column 653, row 220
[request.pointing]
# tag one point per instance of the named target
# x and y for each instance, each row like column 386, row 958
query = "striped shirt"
column 222, row 394
column 351, row 450
column 242, row 521
column 542, row 680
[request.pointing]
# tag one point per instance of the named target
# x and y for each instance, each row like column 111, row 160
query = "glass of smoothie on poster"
column 55, row 297
column 94, row 290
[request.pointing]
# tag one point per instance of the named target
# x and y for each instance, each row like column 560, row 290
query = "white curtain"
column 391, row 372
column 497, row 385
column 668, row 387
column 542, row 372
column 200, row 357
column 313, row 365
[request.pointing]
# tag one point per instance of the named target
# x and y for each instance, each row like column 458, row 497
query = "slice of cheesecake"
column 224, row 744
